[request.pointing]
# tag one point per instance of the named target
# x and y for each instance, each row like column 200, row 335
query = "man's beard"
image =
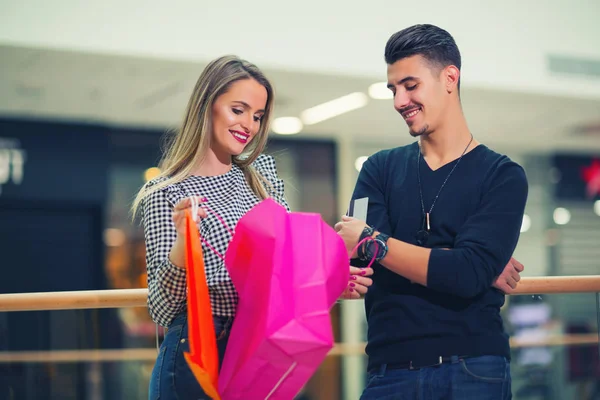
column 424, row 130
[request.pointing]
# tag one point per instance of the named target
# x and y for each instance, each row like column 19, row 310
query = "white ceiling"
column 134, row 62
column 152, row 92
column 505, row 44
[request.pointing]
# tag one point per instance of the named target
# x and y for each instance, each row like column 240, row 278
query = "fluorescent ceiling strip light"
column 286, row 125
column 334, row 108
column 380, row 91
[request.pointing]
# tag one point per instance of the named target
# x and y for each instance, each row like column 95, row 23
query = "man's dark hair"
column 434, row 44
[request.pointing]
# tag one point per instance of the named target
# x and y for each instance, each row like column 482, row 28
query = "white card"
column 359, row 209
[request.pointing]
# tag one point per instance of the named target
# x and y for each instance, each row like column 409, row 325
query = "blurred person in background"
column 444, row 217
column 215, row 156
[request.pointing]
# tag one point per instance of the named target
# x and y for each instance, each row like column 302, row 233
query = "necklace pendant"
column 428, row 225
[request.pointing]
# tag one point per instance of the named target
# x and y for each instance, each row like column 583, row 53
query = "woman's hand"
column 177, row 254
column 358, row 284
column 180, row 210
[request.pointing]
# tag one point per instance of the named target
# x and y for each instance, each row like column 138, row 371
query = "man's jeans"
column 477, row 378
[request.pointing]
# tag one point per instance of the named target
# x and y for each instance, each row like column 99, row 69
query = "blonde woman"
column 216, row 157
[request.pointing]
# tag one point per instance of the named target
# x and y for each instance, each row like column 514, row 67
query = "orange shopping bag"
column 203, row 357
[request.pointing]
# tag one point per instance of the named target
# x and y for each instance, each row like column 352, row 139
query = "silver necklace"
column 423, row 233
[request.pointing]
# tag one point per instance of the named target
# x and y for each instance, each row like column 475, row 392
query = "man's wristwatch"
column 377, row 247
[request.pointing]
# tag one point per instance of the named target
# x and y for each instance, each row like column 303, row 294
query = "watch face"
column 375, row 248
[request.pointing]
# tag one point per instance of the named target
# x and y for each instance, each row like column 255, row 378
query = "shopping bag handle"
column 195, row 205
column 374, row 255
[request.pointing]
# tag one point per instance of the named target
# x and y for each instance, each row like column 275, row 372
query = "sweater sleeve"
column 166, row 282
column 267, row 167
column 486, row 241
column 371, row 184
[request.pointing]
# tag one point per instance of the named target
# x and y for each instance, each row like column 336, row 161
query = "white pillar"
column 352, row 311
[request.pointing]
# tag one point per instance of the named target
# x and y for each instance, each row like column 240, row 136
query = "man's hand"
column 510, row 277
column 358, row 283
column 350, row 230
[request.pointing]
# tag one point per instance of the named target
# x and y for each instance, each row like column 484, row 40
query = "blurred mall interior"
column 89, row 89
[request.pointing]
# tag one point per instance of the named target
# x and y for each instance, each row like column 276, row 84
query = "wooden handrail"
column 559, row 284
column 340, row 349
column 123, row 298
column 84, row 299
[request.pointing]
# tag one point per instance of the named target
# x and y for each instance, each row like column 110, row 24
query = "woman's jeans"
column 171, row 377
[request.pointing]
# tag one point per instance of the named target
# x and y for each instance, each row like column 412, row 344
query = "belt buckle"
column 412, row 367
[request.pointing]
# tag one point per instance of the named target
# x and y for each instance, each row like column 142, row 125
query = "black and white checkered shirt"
column 230, row 196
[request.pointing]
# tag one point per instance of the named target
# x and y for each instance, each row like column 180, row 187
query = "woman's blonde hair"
column 193, row 138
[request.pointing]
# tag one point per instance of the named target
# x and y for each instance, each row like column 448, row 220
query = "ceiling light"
column 380, row 91
column 597, row 207
column 562, row 216
column 334, row 108
column 359, row 162
column 286, row 125
column 526, row 224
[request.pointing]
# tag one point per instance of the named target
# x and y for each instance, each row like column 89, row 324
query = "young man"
column 444, row 216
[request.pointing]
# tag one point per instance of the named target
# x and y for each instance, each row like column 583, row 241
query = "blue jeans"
column 477, row 378
column 171, row 377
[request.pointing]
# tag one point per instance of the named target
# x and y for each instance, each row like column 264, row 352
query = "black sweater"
column 477, row 216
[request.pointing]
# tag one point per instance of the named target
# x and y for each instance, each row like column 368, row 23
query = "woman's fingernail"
column 351, row 290
column 353, row 277
column 363, row 272
column 352, row 284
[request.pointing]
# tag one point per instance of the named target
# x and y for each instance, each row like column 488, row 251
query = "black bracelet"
column 361, row 250
column 366, row 233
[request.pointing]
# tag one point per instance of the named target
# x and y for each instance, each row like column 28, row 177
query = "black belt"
column 426, row 362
